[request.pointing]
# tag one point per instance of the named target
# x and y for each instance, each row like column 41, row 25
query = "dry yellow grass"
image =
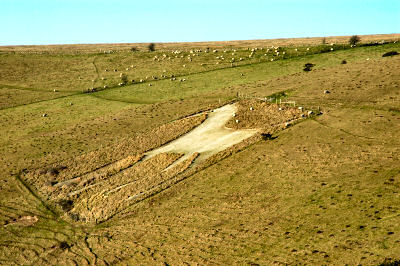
column 324, row 191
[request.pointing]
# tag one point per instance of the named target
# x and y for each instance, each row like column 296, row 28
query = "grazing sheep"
column 272, row 59
column 105, row 86
column 70, row 104
column 115, row 70
column 237, row 121
column 184, row 65
column 241, row 59
column 300, row 108
column 141, row 80
column 234, row 115
column 331, row 49
column 150, row 85
column 326, row 91
column 308, row 49
column 102, row 78
column 105, row 70
column 44, row 115
column 310, row 112
column 251, row 108
column 295, row 49
column 287, row 124
column 54, row 90
column 131, row 66
column 133, row 81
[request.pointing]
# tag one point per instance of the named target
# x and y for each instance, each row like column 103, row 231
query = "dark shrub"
column 308, row 67
column 267, row 136
column 151, row 47
column 391, row 53
column 354, row 39
column 134, row 49
column 344, row 62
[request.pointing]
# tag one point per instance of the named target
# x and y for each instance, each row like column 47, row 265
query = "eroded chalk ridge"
column 98, row 195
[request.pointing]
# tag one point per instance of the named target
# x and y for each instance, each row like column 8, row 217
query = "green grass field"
column 324, row 191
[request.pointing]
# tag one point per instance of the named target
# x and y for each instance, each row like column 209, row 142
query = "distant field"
column 323, row 190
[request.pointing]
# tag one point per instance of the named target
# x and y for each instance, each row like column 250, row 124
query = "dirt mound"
column 264, row 115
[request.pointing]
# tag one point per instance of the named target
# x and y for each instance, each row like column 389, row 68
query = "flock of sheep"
column 221, row 56
column 225, row 57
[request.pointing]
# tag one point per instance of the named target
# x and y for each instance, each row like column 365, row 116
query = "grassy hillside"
column 323, row 191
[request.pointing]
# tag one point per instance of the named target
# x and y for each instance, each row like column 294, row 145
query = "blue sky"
column 116, row 21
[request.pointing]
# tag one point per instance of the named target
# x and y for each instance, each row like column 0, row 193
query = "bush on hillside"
column 354, row 40
column 308, row 67
column 151, row 47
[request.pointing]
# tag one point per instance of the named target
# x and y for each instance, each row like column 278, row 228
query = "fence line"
column 265, row 99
